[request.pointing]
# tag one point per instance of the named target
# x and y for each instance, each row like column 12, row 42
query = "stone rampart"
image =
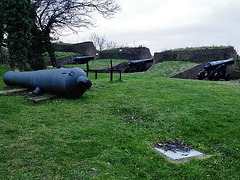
column 199, row 55
column 191, row 73
column 85, row 48
column 126, row 53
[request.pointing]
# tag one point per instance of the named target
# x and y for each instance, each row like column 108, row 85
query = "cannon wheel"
column 201, row 75
column 216, row 76
column 210, row 76
column 227, row 77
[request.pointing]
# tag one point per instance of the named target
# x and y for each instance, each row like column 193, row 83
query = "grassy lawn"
column 109, row 132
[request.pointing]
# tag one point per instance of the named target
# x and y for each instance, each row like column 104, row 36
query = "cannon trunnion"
column 66, row 82
column 216, row 69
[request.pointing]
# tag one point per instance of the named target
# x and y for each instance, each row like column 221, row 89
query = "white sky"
column 167, row 24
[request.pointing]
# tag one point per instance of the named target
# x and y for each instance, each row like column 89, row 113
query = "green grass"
column 198, row 48
column 99, row 64
column 168, row 68
column 109, row 132
column 59, row 55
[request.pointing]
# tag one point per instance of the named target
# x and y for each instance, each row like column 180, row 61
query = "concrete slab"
column 180, row 156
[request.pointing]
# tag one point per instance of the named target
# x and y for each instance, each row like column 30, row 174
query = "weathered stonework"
column 191, row 73
column 126, row 53
column 201, row 55
column 85, row 48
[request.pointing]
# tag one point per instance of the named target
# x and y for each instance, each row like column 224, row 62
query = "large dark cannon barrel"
column 216, row 69
column 138, row 65
column 215, row 64
column 141, row 61
column 67, row 82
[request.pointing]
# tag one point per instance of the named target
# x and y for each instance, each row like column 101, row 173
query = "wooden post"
column 87, row 68
column 111, row 75
column 96, row 74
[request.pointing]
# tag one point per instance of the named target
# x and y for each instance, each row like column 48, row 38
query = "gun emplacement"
column 138, row 65
column 82, row 59
column 216, row 69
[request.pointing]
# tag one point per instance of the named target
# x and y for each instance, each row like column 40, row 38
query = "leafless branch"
column 71, row 14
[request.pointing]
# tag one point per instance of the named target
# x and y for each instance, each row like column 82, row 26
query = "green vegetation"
column 99, row 64
column 60, row 55
column 63, row 43
column 16, row 23
column 123, row 47
column 168, row 68
column 109, row 132
column 198, row 48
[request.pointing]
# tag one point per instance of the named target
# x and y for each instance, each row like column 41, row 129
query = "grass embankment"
column 109, row 132
column 199, row 48
column 60, row 55
column 168, row 68
column 99, row 64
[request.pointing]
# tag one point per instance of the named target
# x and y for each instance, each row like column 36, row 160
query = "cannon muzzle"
column 67, row 82
column 215, row 64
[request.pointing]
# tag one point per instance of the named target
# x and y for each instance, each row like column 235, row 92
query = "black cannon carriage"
column 138, row 65
column 216, row 69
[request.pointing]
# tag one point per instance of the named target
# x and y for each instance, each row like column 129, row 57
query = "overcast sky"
column 167, row 24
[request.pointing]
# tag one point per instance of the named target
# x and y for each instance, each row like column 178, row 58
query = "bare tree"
column 54, row 15
column 101, row 43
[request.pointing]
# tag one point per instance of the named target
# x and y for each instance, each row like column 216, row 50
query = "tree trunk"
column 51, row 51
column 49, row 47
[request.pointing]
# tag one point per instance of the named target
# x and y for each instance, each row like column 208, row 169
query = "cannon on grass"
column 216, row 70
column 66, row 82
column 82, row 59
column 138, row 65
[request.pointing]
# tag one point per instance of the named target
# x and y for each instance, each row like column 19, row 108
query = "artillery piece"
column 82, row 59
column 138, row 65
column 216, row 69
column 66, row 82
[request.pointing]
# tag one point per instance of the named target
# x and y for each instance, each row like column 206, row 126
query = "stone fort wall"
column 199, row 55
column 85, row 48
column 126, row 53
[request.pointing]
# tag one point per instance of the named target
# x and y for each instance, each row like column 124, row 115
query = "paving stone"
column 180, row 156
